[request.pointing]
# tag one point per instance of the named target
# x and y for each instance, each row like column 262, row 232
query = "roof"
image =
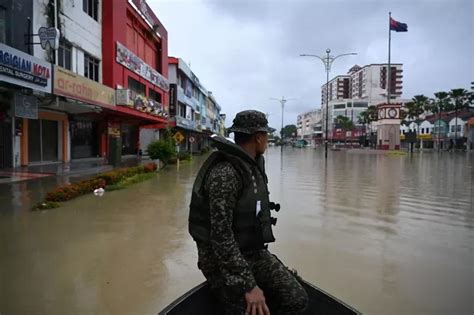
column 447, row 116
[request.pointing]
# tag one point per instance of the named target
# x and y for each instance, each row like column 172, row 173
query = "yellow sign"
column 425, row 136
column 178, row 137
column 72, row 85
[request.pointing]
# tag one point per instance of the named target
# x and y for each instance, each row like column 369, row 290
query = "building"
column 194, row 112
column 370, row 82
column 309, row 126
column 135, row 64
column 28, row 132
column 339, row 88
column 351, row 94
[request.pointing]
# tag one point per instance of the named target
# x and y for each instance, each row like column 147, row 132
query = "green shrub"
column 163, row 150
column 205, row 150
column 184, row 156
column 46, row 205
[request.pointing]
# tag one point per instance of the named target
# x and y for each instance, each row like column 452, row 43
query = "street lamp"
column 327, row 61
column 282, row 101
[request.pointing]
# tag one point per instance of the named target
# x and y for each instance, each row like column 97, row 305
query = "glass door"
column 49, row 140
column 42, row 140
column 34, row 140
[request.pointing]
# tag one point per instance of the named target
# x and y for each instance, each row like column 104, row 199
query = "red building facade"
column 135, row 64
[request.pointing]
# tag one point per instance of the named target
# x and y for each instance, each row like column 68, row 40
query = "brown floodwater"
column 386, row 234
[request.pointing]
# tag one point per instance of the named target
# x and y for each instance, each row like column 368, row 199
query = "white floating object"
column 99, row 192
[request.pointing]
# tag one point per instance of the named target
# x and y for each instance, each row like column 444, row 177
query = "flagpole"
column 389, row 76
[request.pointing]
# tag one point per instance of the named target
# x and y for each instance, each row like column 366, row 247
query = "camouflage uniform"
column 231, row 273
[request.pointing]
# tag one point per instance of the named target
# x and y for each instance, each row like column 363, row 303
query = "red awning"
column 132, row 113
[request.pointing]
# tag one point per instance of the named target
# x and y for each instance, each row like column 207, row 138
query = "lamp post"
column 282, row 101
column 327, row 61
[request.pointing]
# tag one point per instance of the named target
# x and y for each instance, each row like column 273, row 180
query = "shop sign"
column 173, row 95
column 113, row 129
column 128, row 59
column 19, row 68
column 72, row 85
column 146, row 11
column 26, row 106
column 123, row 97
column 49, row 36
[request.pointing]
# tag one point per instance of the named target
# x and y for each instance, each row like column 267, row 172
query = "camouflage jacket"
column 221, row 261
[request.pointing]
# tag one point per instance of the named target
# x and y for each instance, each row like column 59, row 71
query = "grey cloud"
column 248, row 51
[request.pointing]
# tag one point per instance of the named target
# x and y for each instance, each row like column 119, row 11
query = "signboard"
column 178, row 137
column 26, row 106
column 128, row 59
column 49, row 36
column 123, row 97
column 173, row 101
column 72, row 85
column 189, row 115
column 146, row 11
column 22, row 69
column 191, row 139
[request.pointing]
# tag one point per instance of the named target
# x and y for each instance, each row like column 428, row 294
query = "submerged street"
column 385, row 234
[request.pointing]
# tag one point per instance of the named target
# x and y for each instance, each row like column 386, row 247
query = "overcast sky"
column 247, row 51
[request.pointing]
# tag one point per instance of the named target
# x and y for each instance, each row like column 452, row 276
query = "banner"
column 131, row 61
column 22, row 69
column 72, row 85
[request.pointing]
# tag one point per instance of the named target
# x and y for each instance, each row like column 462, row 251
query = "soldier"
column 231, row 223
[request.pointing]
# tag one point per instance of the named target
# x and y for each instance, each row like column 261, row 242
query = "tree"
column 163, row 149
column 440, row 103
column 288, row 131
column 460, row 99
column 422, row 102
column 346, row 125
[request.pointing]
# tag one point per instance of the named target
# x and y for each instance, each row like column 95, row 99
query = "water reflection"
column 388, row 234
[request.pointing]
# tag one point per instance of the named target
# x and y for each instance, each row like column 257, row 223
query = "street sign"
column 191, row 139
column 178, row 137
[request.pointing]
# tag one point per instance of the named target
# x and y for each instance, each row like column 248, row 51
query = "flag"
column 398, row 26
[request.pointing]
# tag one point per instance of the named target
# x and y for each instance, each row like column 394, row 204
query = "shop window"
column 3, row 25
column 91, row 7
column 136, row 87
column 65, row 55
column 154, row 95
column 91, row 67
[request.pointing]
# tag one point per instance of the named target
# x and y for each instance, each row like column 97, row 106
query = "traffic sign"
column 191, row 139
column 178, row 137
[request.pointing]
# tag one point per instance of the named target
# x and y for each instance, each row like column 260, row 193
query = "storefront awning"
column 126, row 111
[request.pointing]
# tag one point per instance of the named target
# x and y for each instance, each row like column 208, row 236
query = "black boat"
column 199, row 301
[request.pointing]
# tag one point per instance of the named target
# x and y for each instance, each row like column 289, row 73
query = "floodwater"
column 386, row 234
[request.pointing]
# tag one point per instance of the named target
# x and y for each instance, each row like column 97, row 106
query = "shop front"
column 87, row 103
column 20, row 75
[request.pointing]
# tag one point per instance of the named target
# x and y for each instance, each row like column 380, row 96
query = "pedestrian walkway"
column 21, row 188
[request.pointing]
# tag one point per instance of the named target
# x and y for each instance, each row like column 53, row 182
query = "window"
column 91, row 68
column 3, row 25
column 136, row 87
column 91, row 7
column 154, row 95
column 422, row 130
column 64, row 55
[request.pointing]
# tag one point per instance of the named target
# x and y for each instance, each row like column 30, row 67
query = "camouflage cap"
column 250, row 121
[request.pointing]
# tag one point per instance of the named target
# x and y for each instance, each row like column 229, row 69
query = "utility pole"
column 282, row 101
column 327, row 61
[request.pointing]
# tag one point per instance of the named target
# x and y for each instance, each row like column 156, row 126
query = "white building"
column 309, row 126
column 370, row 82
column 80, row 49
column 339, row 88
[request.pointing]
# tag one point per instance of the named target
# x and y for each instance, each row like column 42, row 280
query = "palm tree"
column 364, row 119
column 422, row 102
column 440, row 104
column 459, row 99
column 346, row 124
